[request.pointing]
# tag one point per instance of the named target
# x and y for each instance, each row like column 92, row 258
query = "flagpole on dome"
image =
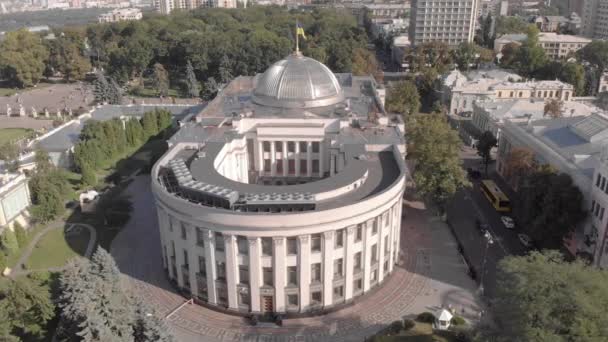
column 297, row 39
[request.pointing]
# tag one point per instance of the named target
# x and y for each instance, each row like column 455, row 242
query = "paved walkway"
column 430, row 274
column 19, row 270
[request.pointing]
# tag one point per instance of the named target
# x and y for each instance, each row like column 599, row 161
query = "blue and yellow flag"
column 300, row 31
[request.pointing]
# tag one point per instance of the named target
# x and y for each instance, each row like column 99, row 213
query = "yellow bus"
column 496, row 197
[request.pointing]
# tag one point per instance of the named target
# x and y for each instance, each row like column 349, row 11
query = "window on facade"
column 359, row 233
column 316, row 297
column 374, row 276
column 315, row 147
column 292, row 246
column 219, row 242
column 385, row 218
column 202, row 266
column 244, row 298
column 268, row 278
column 243, row 274
column 315, row 272
column 267, row 165
column 386, row 246
column 266, row 146
column 338, row 268
column 338, row 292
column 385, row 266
column 375, row 227
column 603, row 183
column 598, row 180
column 278, row 146
column 303, row 146
column 220, row 270
column 358, row 285
column 592, row 205
column 267, row 246
column 339, row 242
column 357, row 261
column 500, row 94
column 601, row 214
column 222, row 295
column 315, row 165
column 315, row 244
column 183, row 229
column 511, row 94
column 199, row 237
column 303, row 166
column 291, row 146
column 172, row 248
column 186, row 263
column 521, row 94
column 374, row 253
column 292, row 275
column 292, row 300
column 597, row 210
column 242, row 245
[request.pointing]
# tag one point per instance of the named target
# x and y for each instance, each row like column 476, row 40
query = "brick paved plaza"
column 430, row 274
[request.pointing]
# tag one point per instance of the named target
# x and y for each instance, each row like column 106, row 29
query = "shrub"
column 395, row 327
column 426, row 317
column 2, row 261
column 408, row 324
column 9, row 242
column 20, row 234
column 457, row 320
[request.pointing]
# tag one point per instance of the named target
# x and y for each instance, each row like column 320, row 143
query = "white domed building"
column 284, row 194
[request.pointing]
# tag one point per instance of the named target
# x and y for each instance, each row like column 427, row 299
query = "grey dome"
column 297, row 82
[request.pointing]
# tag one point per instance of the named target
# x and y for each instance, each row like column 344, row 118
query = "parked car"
column 525, row 240
column 508, row 222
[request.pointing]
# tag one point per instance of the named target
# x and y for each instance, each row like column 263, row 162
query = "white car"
column 508, row 222
column 525, row 240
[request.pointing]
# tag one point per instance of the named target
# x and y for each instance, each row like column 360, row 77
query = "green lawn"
column 151, row 92
column 10, row 134
column 54, row 249
column 9, row 91
column 12, row 258
column 421, row 332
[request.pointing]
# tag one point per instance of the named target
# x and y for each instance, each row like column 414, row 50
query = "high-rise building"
column 595, row 19
column 450, row 22
column 167, row 6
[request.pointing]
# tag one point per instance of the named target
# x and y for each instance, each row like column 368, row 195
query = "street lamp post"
column 489, row 241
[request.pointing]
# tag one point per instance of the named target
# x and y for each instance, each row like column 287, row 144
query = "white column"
column 280, row 272
column 284, row 159
column 321, row 156
column 261, row 157
column 381, row 231
column 309, row 158
column 297, row 158
column 193, row 259
column 231, row 270
column 255, row 271
column 162, row 223
column 391, row 237
column 328, row 268
column 349, row 262
column 332, row 164
column 367, row 251
column 304, row 263
column 209, row 241
column 398, row 232
column 273, row 159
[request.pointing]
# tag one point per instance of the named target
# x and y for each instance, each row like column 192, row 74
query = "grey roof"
column 297, row 82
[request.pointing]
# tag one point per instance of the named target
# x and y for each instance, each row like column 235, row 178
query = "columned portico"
column 349, row 262
column 279, row 273
column 209, row 242
column 255, row 270
column 328, row 269
column 304, row 264
column 232, row 270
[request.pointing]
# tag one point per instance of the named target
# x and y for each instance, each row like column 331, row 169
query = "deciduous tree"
column 486, row 142
column 9, row 241
column 531, row 56
column 161, row 80
column 210, row 89
column 365, row 63
column 403, row 98
column 519, row 163
column 22, row 57
column 553, row 108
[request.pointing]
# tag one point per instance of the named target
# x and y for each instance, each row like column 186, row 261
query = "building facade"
column 167, row 6
column 121, row 14
column 595, row 19
column 285, row 193
column 450, row 22
column 556, row 46
column 14, row 200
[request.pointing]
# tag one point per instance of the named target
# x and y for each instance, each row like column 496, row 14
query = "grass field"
column 9, row 91
column 54, row 249
column 10, row 134
column 421, row 332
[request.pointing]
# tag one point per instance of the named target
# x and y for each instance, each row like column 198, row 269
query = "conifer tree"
column 103, row 89
column 192, row 85
column 88, row 175
column 115, row 92
column 9, row 242
column 150, row 124
column 148, row 326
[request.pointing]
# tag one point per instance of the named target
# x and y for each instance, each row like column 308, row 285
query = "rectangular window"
column 244, row 298
column 199, row 237
column 222, row 295
column 374, row 253
column 219, row 242
column 220, row 269
column 359, row 234
column 358, row 285
column 202, row 266
column 303, row 167
column 267, row 246
column 339, row 242
column 243, row 274
column 338, row 292
column 603, row 183
column 315, row 165
column 266, row 146
column 267, row 165
column 385, row 266
column 357, row 261
column 291, row 146
column 292, row 275
column 268, row 276
column 338, row 268
column 183, row 229
column 597, row 209
column 292, row 246
column 186, row 263
column 602, row 213
column 315, row 244
column 592, row 205
column 386, row 249
column 374, row 276
column 242, row 245
column 316, row 297
column 278, row 146
column 292, row 300
column 599, row 178
column 375, row 227
column 303, row 146
column 315, row 272
column 315, row 147
column 385, row 219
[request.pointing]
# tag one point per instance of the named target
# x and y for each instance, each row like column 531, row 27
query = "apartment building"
column 167, row 6
column 121, row 14
column 451, row 22
column 556, row 46
column 595, row 19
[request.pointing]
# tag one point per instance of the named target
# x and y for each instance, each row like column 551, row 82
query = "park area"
column 8, row 135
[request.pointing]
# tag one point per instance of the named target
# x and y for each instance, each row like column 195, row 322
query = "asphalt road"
column 467, row 206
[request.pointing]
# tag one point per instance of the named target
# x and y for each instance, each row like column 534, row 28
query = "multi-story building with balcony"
column 284, row 195
column 556, row 46
column 451, row 22
column 595, row 19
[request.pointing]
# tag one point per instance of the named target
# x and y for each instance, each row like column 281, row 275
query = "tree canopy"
column 541, row 297
column 22, row 57
column 486, row 142
column 403, row 98
column 434, row 146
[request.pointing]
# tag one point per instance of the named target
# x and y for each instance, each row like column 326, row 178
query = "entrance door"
column 267, row 304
